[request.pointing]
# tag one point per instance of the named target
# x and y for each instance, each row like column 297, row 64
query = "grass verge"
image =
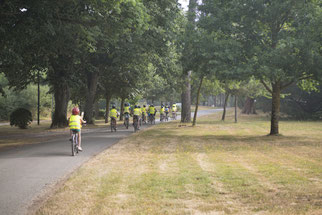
column 213, row 168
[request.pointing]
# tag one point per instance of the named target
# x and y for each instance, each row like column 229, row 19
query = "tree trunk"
column 92, row 79
column 197, row 103
column 235, row 108
column 122, row 108
column 186, row 99
column 61, row 93
column 225, row 105
column 96, row 109
column 107, row 107
column 276, row 99
column 215, row 101
column 249, row 106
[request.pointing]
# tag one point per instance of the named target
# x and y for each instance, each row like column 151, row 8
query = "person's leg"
column 79, row 140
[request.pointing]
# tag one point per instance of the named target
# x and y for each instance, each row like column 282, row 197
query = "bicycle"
column 166, row 116
column 74, row 142
column 143, row 118
column 113, row 124
column 126, row 120
column 152, row 119
column 161, row 117
column 174, row 115
column 136, row 123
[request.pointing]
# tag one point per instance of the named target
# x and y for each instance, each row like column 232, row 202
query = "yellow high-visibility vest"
column 162, row 110
column 127, row 109
column 137, row 112
column 151, row 110
column 75, row 122
column 113, row 113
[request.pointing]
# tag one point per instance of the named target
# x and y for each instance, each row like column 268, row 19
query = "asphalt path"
column 28, row 172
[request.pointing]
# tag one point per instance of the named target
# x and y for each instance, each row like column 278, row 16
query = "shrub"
column 21, row 117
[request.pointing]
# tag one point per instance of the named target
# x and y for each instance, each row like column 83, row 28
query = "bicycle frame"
column 113, row 124
column 74, row 143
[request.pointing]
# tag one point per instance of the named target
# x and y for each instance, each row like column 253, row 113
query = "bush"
column 21, row 117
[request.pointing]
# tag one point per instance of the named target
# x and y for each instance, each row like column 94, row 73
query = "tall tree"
column 277, row 36
column 187, row 60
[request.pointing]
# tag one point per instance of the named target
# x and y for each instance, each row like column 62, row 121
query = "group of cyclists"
column 143, row 114
column 140, row 114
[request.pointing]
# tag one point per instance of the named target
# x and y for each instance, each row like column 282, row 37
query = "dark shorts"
column 75, row 130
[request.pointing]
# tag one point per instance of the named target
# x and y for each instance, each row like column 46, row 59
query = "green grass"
column 213, row 168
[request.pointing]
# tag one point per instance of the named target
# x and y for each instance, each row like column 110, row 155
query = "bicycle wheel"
column 127, row 123
column 73, row 144
column 76, row 144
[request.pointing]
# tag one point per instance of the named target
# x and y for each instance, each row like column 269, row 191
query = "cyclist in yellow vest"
column 137, row 114
column 113, row 113
column 162, row 110
column 126, row 109
column 152, row 110
column 75, row 124
column 143, row 110
column 174, row 108
column 174, row 111
column 167, row 110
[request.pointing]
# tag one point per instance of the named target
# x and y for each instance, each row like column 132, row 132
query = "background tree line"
column 91, row 50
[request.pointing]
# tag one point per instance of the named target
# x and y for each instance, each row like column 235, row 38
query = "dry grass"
column 213, row 168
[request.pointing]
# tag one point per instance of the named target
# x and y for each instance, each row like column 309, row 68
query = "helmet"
column 139, row 106
column 135, row 106
column 126, row 104
column 113, row 106
column 144, row 106
column 75, row 111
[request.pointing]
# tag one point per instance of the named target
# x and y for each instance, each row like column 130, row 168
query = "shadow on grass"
column 167, row 135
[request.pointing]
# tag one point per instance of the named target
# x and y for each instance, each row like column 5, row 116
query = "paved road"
column 28, row 171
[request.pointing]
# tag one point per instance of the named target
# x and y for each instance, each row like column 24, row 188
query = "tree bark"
column 186, row 99
column 96, row 109
column 276, row 102
column 107, row 106
column 92, row 79
column 61, row 93
column 249, row 106
column 122, row 108
column 235, row 108
column 225, row 105
column 197, row 103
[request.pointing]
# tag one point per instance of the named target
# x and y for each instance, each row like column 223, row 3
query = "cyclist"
column 167, row 110
column 162, row 110
column 136, row 115
column 75, row 124
column 152, row 110
column 174, row 111
column 114, row 114
column 126, row 112
column 143, row 110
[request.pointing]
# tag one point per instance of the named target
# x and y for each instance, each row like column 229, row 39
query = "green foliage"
column 27, row 99
column 20, row 117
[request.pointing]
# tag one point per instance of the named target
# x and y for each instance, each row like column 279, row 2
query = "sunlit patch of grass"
column 215, row 167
